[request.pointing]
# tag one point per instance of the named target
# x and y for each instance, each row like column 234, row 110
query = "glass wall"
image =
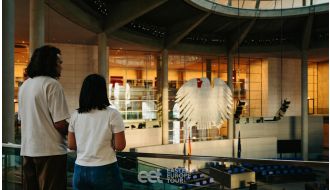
column 21, row 58
column 132, row 86
column 269, row 4
column 312, row 88
column 318, row 80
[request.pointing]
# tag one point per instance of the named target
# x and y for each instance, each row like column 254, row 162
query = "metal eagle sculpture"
column 201, row 105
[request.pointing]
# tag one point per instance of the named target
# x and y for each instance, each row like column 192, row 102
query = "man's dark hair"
column 44, row 62
column 93, row 94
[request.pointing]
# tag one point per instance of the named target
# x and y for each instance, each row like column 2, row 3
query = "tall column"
column 159, row 86
column 37, row 24
column 165, row 96
column 231, row 122
column 304, row 105
column 103, row 57
column 8, row 44
column 229, row 3
column 209, row 69
column 231, row 86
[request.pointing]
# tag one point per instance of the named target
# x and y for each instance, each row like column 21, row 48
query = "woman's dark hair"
column 93, row 94
column 44, row 62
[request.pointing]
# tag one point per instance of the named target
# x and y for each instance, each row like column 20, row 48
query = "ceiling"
column 179, row 26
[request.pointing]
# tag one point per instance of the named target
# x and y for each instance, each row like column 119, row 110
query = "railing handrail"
column 226, row 159
column 209, row 158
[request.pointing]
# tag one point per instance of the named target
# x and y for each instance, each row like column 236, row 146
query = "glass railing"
column 269, row 4
column 169, row 172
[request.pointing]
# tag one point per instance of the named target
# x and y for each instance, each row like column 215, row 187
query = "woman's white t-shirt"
column 93, row 132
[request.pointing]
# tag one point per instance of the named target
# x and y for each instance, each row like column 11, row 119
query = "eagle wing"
column 223, row 98
column 185, row 100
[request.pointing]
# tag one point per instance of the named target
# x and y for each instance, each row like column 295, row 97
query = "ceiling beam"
column 307, row 31
column 84, row 6
column 237, row 37
column 222, row 27
column 124, row 12
column 137, row 39
column 181, row 29
column 76, row 15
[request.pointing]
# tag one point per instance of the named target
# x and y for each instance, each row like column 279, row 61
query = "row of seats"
column 232, row 169
column 278, row 170
column 198, row 183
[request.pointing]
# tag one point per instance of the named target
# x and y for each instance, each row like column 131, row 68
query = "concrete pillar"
column 257, row 4
column 229, row 3
column 159, row 86
column 209, row 69
column 37, row 24
column 8, row 44
column 304, row 105
column 165, row 96
column 103, row 57
column 231, row 129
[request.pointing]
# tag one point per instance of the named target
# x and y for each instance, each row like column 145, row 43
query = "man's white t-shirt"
column 41, row 103
column 93, row 132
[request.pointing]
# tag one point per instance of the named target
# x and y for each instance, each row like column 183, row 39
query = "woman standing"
column 96, row 131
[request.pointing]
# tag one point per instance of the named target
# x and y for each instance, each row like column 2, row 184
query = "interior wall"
column 150, row 74
column 172, row 75
column 78, row 62
column 283, row 83
column 288, row 128
column 291, row 83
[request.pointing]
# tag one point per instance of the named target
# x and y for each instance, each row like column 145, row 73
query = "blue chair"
column 278, row 172
column 235, row 170
column 270, row 172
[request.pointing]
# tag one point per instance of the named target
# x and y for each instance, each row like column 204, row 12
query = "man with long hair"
column 43, row 112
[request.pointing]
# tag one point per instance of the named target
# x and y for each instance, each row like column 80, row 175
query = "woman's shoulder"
column 112, row 110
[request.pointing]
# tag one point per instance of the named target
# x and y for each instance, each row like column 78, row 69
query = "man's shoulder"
column 42, row 80
column 48, row 81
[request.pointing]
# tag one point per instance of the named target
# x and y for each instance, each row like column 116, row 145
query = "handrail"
column 11, row 145
column 317, row 164
column 226, row 159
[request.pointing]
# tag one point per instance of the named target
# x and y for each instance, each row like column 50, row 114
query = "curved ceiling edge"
column 235, row 12
column 157, row 45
